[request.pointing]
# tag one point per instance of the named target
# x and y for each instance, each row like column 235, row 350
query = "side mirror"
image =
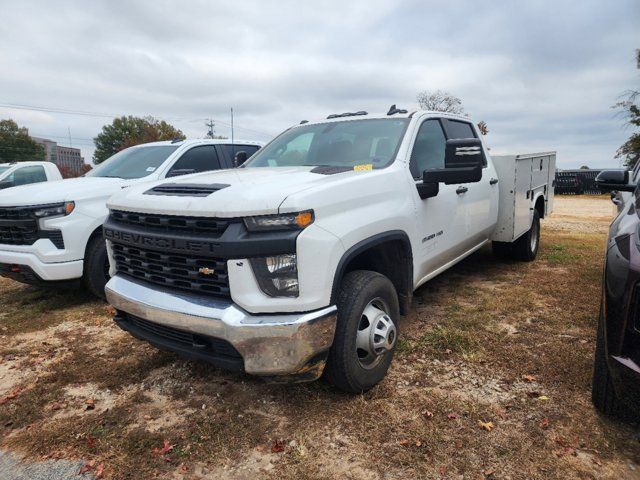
column 463, row 162
column 240, row 158
column 608, row 180
column 180, row 171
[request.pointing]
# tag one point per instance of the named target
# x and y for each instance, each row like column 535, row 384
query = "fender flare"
column 371, row 242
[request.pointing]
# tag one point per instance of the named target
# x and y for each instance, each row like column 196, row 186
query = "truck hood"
column 71, row 189
column 247, row 191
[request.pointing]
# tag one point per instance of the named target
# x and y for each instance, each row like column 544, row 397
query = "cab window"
column 27, row 175
column 198, row 159
column 428, row 150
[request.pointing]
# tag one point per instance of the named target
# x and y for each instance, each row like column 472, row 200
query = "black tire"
column 526, row 247
column 96, row 266
column 603, row 395
column 344, row 367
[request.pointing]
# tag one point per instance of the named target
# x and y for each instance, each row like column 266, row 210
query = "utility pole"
column 212, row 125
column 69, row 130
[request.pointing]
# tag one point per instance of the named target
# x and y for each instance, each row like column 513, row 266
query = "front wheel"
column 96, row 267
column 603, row 395
column 366, row 332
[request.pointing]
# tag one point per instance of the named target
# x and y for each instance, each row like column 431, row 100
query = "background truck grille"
column 202, row 275
column 213, row 227
column 18, row 226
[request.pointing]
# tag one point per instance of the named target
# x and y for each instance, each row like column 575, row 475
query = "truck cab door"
column 480, row 198
column 440, row 220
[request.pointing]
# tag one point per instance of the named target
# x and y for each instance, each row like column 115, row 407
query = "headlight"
column 278, row 275
column 54, row 209
column 287, row 221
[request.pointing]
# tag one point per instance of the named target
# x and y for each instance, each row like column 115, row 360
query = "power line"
column 64, row 111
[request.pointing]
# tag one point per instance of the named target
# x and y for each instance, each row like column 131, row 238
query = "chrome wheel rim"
column 534, row 236
column 377, row 334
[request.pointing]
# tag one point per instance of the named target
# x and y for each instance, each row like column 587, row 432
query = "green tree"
column 16, row 145
column 630, row 110
column 128, row 131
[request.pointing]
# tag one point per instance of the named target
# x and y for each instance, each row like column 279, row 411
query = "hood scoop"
column 186, row 189
column 330, row 169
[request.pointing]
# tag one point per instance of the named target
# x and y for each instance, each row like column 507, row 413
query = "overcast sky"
column 543, row 75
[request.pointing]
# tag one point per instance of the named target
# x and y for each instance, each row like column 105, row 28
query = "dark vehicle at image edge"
column 616, row 376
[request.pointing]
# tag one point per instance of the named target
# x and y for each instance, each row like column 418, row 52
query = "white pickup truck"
column 26, row 173
column 302, row 261
column 53, row 234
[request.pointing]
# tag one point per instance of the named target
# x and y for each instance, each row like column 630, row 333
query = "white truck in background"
column 302, row 261
column 53, row 234
column 25, row 173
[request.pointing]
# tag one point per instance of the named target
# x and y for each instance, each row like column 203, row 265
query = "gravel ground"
column 12, row 468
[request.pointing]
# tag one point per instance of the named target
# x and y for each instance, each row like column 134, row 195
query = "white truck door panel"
column 440, row 220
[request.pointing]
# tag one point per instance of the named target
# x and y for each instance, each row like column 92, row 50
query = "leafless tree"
column 440, row 101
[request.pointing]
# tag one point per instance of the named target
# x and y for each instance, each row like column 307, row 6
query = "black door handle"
column 460, row 190
column 493, row 181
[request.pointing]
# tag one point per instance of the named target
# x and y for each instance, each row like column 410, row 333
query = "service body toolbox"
column 523, row 180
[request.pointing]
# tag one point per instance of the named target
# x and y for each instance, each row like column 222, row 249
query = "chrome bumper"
column 270, row 344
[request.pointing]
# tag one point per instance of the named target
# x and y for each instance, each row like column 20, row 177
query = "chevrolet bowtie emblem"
column 206, row 271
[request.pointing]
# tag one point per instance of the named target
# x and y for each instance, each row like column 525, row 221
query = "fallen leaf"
column 166, row 448
column 91, row 442
column 543, row 397
column 458, row 444
column 10, row 396
column 277, row 447
column 488, row 426
column 100, row 470
column 443, row 470
column 452, row 416
column 488, row 472
column 87, row 466
column 184, row 468
column 447, row 351
column 147, row 417
column 110, row 310
column 529, row 378
column 597, row 461
column 427, row 414
column 403, row 442
column 418, row 443
column 90, row 404
column 545, row 423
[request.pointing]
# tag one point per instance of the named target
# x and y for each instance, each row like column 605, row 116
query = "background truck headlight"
column 277, row 275
column 54, row 209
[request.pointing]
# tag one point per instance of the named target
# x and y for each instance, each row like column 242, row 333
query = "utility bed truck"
column 301, row 262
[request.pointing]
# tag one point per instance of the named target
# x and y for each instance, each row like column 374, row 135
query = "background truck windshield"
column 135, row 162
column 344, row 144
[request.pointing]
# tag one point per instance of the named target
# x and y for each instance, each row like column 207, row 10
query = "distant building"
column 68, row 158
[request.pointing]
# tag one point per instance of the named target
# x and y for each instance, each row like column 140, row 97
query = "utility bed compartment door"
column 522, row 215
column 521, row 177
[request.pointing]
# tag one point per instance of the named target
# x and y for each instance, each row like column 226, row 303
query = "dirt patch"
column 491, row 380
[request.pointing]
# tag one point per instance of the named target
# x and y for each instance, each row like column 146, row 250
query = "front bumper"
column 45, row 272
column 271, row 345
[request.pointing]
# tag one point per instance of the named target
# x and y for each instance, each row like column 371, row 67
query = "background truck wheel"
column 603, row 395
column 526, row 247
column 366, row 332
column 96, row 266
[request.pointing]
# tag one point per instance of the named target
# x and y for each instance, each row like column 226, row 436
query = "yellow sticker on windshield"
column 363, row 168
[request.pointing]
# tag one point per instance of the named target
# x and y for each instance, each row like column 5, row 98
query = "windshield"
column 367, row 143
column 134, row 162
